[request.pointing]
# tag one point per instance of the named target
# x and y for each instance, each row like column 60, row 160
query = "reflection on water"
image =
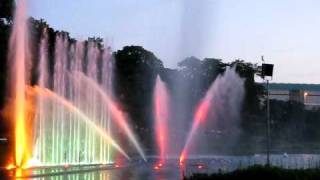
column 172, row 171
column 138, row 172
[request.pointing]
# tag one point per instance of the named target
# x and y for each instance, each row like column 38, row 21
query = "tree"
column 6, row 9
column 254, row 91
column 135, row 73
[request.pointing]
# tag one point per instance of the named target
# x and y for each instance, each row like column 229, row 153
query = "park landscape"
column 78, row 109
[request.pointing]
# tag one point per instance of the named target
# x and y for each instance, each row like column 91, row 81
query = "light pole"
column 267, row 71
column 268, row 124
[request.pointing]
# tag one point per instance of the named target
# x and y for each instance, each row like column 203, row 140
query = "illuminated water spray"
column 61, row 136
column 222, row 101
column 19, row 62
column 55, row 97
column 199, row 117
column 47, row 133
column 117, row 114
column 41, row 114
column 161, row 115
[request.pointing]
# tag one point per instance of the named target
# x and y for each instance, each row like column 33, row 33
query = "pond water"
column 172, row 170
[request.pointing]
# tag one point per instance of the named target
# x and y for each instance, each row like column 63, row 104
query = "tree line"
column 293, row 127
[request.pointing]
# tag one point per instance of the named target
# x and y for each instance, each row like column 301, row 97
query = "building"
column 308, row 94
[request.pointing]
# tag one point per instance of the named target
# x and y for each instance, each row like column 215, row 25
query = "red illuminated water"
column 161, row 115
column 200, row 116
column 223, row 101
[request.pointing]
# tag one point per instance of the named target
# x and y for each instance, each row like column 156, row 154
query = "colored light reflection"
column 199, row 117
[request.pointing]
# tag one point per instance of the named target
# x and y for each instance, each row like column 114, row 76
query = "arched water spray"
column 60, row 137
column 68, row 140
column 55, row 97
column 116, row 113
column 227, row 90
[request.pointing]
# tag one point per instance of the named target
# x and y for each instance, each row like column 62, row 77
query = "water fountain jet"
column 226, row 90
column 120, row 119
column 49, row 94
column 161, row 115
column 19, row 63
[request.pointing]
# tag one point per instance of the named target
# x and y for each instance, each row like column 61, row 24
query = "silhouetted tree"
column 134, row 77
column 6, row 9
column 135, row 74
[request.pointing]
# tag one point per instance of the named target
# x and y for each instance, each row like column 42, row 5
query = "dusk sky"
column 286, row 32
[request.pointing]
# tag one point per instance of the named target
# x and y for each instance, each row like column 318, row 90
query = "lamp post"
column 267, row 71
column 268, row 124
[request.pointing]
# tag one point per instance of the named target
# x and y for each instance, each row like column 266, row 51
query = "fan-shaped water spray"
column 226, row 90
column 116, row 113
column 55, row 97
column 60, row 136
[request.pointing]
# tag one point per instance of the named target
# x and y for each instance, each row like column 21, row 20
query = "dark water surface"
column 172, row 170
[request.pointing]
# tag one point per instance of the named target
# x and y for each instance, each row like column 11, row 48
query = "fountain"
column 226, row 90
column 49, row 94
column 71, row 123
column 68, row 116
column 19, row 63
column 119, row 118
column 161, row 115
column 60, row 134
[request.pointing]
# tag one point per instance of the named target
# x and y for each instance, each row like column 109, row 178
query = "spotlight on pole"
column 267, row 71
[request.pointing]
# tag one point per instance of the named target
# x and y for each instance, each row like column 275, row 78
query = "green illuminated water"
column 61, row 137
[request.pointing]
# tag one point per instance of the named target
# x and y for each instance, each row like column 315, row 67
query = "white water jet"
column 62, row 138
column 41, row 114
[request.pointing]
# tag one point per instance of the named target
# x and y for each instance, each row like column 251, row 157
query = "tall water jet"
column 223, row 98
column 41, row 114
column 161, row 115
column 106, row 83
column 62, row 137
column 75, row 97
column 19, row 63
column 60, row 87
column 92, row 108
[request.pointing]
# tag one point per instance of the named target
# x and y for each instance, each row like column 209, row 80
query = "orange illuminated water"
column 19, row 63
